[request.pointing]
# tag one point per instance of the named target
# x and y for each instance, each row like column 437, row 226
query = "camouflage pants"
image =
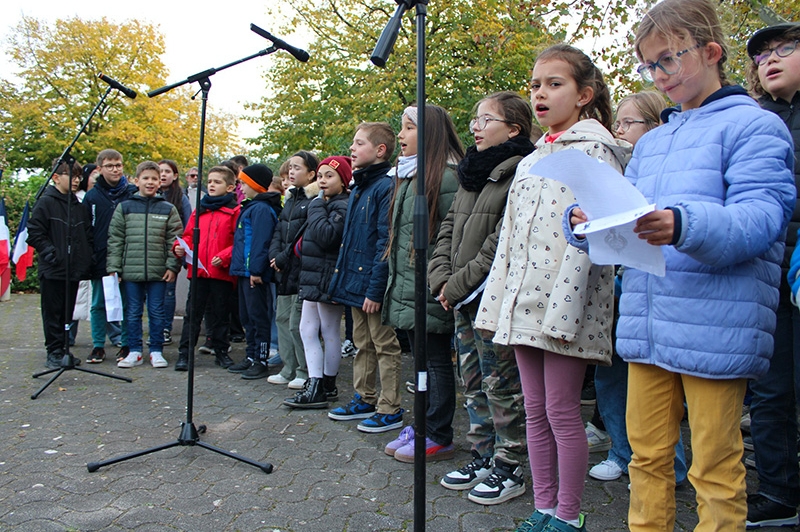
column 493, row 392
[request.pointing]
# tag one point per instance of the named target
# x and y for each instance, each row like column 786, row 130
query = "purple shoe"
column 406, row 436
column 433, row 452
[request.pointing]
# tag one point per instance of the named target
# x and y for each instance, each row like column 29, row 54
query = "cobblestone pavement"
column 327, row 475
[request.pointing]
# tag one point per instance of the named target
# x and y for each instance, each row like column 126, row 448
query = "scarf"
column 113, row 193
column 213, row 203
column 475, row 167
column 406, row 167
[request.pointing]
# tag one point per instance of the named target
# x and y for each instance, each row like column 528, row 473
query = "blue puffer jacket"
column 251, row 240
column 361, row 271
column 727, row 166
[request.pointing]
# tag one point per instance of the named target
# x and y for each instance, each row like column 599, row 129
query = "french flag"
column 5, row 249
column 23, row 254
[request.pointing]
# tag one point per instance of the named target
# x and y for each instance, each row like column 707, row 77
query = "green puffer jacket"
column 398, row 304
column 140, row 239
column 467, row 239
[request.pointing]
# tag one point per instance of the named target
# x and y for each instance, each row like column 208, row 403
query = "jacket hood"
column 311, row 190
column 593, row 131
column 724, row 92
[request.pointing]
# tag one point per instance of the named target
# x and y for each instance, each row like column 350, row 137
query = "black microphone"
column 130, row 93
column 300, row 55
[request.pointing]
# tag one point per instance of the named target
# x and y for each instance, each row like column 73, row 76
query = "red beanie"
column 341, row 165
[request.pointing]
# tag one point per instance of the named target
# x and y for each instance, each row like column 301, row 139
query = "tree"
column 57, row 88
column 474, row 47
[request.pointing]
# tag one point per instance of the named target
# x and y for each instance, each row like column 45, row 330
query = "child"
column 544, row 297
column 503, row 130
column 111, row 189
column 720, row 172
column 62, row 242
column 250, row 263
column 217, row 213
column 319, row 248
column 140, row 236
column 443, row 150
column 774, row 77
column 360, row 282
column 303, row 176
column 173, row 193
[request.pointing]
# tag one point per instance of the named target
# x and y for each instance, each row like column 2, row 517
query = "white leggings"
column 321, row 318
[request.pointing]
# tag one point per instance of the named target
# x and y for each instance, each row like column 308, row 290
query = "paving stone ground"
column 327, row 475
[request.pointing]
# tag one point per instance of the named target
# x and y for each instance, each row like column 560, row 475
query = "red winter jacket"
column 216, row 240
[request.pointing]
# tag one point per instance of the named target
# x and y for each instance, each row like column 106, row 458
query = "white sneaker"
column 134, row 358
column 158, row 360
column 599, row 440
column 606, row 470
column 277, row 379
column 296, row 384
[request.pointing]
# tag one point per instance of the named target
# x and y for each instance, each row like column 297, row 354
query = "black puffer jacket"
column 290, row 222
column 322, row 239
column 47, row 233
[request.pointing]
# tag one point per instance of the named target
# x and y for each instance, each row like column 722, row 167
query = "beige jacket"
column 542, row 292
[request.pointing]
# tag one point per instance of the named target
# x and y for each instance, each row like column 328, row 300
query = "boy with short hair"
column 140, row 237
column 110, row 189
column 50, row 231
column 360, row 282
column 217, row 213
column 250, row 263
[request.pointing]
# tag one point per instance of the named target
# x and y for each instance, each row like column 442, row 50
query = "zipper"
column 146, row 220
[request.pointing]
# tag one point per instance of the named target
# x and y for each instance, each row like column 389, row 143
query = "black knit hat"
column 764, row 35
column 88, row 169
column 258, row 176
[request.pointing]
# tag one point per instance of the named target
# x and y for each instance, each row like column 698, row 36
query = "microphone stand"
column 189, row 434
column 379, row 56
column 68, row 361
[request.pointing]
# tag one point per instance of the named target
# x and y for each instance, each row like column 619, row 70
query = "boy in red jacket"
column 218, row 211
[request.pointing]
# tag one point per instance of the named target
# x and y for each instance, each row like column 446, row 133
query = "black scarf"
column 213, row 203
column 116, row 192
column 475, row 167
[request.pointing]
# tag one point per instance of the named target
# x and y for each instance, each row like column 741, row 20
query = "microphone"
column 130, row 93
column 300, row 55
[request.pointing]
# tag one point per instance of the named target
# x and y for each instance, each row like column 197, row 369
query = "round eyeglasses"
column 784, row 50
column 668, row 64
column 625, row 125
column 482, row 121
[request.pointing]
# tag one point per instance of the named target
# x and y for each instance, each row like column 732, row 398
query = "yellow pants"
column 378, row 352
column 654, row 412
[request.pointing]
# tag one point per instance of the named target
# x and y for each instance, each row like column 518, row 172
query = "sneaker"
column 763, row 512
column 588, row 395
column 122, row 353
column 97, row 356
column 747, row 441
column 53, row 360
column 470, row 475
column 599, row 440
column 406, row 436
column 744, row 424
column 241, row 367
column 411, row 387
column 433, row 452
column 158, row 360
column 274, row 360
column 348, row 349
column 557, row 525
column 207, row 348
column 296, row 384
column 167, row 337
column 134, row 358
column 277, row 379
column 503, row 484
column 355, row 409
column 381, row 422
column 606, row 470
column 237, row 338
column 534, row 523
column 256, row 371
column 750, row 461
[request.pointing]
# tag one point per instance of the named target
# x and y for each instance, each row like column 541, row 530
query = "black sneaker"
column 503, row 484
column 167, row 337
column 470, row 475
column 257, row 370
column 763, row 512
column 588, row 394
column 207, row 348
column 241, row 367
column 747, row 441
column 97, row 356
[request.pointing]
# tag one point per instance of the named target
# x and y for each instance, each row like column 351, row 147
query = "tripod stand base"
column 189, row 436
column 67, row 364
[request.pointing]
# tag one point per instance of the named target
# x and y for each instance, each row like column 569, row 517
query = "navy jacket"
column 251, row 240
column 101, row 201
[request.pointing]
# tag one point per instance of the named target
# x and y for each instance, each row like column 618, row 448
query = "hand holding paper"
column 189, row 255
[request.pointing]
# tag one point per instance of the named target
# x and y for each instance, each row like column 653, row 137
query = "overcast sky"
column 192, row 35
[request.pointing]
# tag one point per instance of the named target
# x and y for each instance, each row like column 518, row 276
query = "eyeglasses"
column 626, row 124
column 191, row 175
column 117, row 166
column 482, row 121
column 784, row 50
column 668, row 64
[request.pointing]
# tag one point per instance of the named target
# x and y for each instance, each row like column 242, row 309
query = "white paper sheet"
column 113, row 297
column 189, row 255
column 612, row 205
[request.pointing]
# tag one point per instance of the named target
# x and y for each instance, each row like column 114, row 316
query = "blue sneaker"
column 557, row 525
column 355, row 409
column 535, row 523
column 381, row 422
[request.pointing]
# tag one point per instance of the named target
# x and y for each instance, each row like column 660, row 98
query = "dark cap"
column 88, row 169
column 764, row 35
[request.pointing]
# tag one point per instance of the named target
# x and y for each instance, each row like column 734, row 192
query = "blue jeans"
column 169, row 306
column 611, row 384
column 773, row 412
column 135, row 293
